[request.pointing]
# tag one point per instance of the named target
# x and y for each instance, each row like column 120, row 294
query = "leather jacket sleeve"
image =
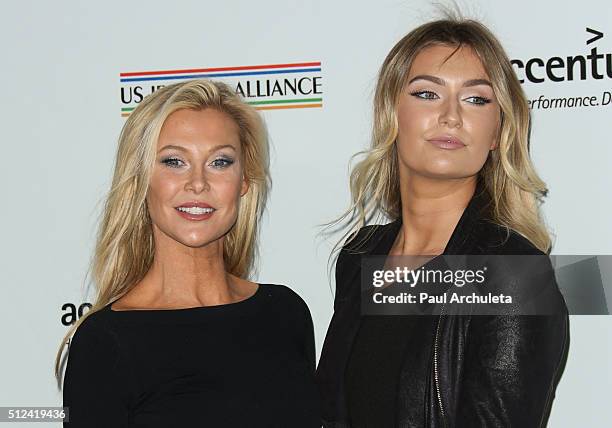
column 513, row 362
column 512, row 366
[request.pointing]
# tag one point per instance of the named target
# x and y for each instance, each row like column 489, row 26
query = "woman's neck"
column 431, row 209
column 183, row 277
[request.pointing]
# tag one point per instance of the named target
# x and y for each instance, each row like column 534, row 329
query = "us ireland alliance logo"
column 265, row 87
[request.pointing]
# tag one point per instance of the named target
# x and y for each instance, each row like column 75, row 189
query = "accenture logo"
column 594, row 65
column 266, row 87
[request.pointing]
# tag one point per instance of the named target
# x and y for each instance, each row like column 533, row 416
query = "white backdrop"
column 61, row 117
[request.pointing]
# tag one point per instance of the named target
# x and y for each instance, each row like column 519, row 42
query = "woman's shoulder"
column 282, row 294
column 94, row 341
column 287, row 306
column 495, row 239
column 280, row 291
column 367, row 237
column 95, row 325
column 517, row 268
column 94, row 320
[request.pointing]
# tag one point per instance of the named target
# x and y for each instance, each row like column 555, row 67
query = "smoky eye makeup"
column 171, row 161
column 222, row 161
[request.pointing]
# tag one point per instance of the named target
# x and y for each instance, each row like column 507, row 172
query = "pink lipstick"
column 447, row 142
column 195, row 211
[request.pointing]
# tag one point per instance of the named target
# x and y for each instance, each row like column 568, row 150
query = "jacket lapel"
column 460, row 242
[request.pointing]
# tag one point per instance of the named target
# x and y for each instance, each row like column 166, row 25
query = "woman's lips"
column 447, row 143
column 195, row 213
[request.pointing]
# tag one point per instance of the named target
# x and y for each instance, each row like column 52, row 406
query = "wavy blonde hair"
column 125, row 247
column 508, row 174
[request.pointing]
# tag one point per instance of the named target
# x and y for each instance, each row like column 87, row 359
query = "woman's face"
column 448, row 115
column 197, row 180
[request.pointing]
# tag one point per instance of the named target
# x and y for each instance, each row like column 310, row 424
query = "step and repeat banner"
column 73, row 71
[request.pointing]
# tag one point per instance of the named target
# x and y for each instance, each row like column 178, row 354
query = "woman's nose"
column 450, row 115
column 197, row 181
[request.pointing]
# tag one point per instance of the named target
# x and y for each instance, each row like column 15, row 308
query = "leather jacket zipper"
column 436, row 375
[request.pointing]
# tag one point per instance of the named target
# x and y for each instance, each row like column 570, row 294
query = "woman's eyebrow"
column 441, row 82
column 222, row 146
column 433, row 79
column 170, row 146
column 183, row 149
column 476, row 82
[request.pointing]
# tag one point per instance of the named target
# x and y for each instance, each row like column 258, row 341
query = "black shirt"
column 249, row 363
column 374, row 367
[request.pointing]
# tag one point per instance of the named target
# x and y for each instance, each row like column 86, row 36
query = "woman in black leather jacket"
column 449, row 165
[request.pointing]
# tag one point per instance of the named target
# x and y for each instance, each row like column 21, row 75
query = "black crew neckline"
column 188, row 311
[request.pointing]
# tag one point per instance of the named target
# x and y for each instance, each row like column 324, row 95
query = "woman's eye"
column 425, row 95
column 221, row 163
column 478, row 100
column 172, row 162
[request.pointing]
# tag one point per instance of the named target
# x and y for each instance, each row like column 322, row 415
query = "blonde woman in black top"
column 178, row 336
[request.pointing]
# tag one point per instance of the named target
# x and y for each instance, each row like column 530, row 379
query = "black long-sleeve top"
column 249, row 363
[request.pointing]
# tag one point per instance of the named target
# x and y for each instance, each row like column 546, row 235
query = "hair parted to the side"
column 508, row 175
column 125, row 248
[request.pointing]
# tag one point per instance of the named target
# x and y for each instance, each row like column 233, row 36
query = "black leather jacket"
column 479, row 371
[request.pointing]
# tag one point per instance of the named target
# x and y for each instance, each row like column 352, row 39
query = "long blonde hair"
column 508, row 175
column 125, row 247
